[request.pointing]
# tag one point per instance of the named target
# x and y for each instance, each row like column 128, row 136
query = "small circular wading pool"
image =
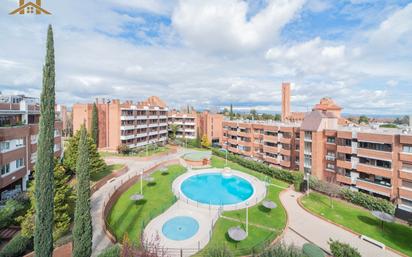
column 217, row 189
column 180, row 228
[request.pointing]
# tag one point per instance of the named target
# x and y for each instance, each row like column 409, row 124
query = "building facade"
column 187, row 124
column 19, row 118
column 134, row 125
column 211, row 125
column 373, row 160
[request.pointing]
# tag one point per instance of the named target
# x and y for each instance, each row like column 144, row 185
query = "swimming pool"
column 180, row 228
column 216, row 189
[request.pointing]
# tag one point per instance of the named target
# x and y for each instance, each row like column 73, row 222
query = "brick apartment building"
column 19, row 118
column 187, row 123
column 134, row 125
column 323, row 144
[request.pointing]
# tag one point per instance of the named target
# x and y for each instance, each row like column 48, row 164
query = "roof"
column 30, row 4
column 327, row 104
column 313, row 120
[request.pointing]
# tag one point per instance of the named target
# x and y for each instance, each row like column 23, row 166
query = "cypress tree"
column 95, row 125
column 82, row 230
column 43, row 234
column 231, row 112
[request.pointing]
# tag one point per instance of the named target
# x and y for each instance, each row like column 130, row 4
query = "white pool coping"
column 259, row 190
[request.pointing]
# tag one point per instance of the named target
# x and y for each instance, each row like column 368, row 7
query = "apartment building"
column 135, row 125
column 373, row 160
column 19, row 118
column 187, row 124
column 210, row 124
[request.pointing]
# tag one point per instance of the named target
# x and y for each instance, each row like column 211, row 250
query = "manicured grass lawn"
column 274, row 219
column 396, row 236
column 142, row 153
column 128, row 217
column 109, row 169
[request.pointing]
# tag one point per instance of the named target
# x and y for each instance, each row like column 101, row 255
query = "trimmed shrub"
column 339, row 249
column 18, row 246
column 312, row 250
column 111, row 251
column 367, row 201
column 10, row 211
column 282, row 250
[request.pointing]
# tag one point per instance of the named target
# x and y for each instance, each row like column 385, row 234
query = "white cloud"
column 222, row 25
column 318, row 5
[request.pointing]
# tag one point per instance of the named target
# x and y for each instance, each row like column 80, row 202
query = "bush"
column 123, row 149
column 339, row 249
column 10, row 211
column 281, row 250
column 18, row 246
column 111, row 251
column 312, row 250
column 219, row 251
column 367, row 201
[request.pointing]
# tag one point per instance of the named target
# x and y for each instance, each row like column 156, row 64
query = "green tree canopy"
column 95, row 125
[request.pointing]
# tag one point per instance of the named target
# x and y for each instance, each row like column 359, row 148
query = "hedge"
column 280, row 174
column 358, row 198
column 111, row 251
column 17, row 247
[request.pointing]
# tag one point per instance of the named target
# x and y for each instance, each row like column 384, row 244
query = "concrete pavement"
column 304, row 227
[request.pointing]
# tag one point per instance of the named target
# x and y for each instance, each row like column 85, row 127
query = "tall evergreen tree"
column 95, row 125
column 43, row 234
column 82, row 230
column 231, row 112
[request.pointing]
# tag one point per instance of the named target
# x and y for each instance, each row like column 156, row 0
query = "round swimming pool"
column 180, row 228
column 216, row 189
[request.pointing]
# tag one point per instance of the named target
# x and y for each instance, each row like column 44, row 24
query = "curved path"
column 98, row 199
column 303, row 226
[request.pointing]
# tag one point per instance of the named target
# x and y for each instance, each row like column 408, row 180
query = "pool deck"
column 205, row 214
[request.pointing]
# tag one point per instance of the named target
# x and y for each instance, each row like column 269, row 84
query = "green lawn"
column 396, row 236
column 142, row 153
column 94, row 177
column 128, row 217
column 274, row 219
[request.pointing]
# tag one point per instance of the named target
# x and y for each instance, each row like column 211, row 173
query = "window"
column 407, row 167
column 407, row 184
column 4, row 146
column 331, row 140
column 375, row 146
column 330, row 166
column 407, row 148
column 19, row 163
column 19, row 142
column 5, row 168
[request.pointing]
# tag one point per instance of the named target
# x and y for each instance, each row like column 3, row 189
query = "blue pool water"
column 180, row 228
column 215, row 189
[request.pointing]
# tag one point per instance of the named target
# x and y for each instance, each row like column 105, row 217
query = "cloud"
column 222, row 26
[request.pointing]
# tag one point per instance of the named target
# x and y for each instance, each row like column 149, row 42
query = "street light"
column 141, row 182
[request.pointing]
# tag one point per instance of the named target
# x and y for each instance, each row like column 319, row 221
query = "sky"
column 213, row 53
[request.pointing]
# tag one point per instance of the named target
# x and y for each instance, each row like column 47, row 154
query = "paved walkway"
column 100, row 239
column 304, row 226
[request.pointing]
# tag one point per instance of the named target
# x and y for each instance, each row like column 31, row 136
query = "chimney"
column 285, row 101
column 38, row 2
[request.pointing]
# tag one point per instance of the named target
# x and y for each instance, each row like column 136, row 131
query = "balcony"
column 244, row 134
column 374, row 187
column 405, row 157
column 233, row 150
column 232, row 141
column 271, row 160
column 244, row 143
column 285, row 164
column 405, row 192
column 377, row 171
column 272, row 139
column 330, row 158
column 380, row 155
column 126, row 117
column 344, row 164
column 344, row 179
column 127, row 127
column 344, row 149
column 405, row 174
column 154, row 117
column 12, row 177
column 270, row 149
column 284, row 140
column 285, row 152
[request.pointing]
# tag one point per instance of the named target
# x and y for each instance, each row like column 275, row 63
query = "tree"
column 43, row 234
column 254, row 114
column 205, row 141
column 231, row 112
column 95, row 125
column 363, row 119
column 63, row 205
column 174, row 128
column 124, row 149
column 278, row 117
column 97, row 164
column 82, row 229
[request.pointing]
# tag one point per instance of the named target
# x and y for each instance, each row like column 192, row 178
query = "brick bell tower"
column 285, row 101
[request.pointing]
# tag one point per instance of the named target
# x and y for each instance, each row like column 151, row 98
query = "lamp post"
column 307, row 178
column 247, row 218
column 141, row 182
